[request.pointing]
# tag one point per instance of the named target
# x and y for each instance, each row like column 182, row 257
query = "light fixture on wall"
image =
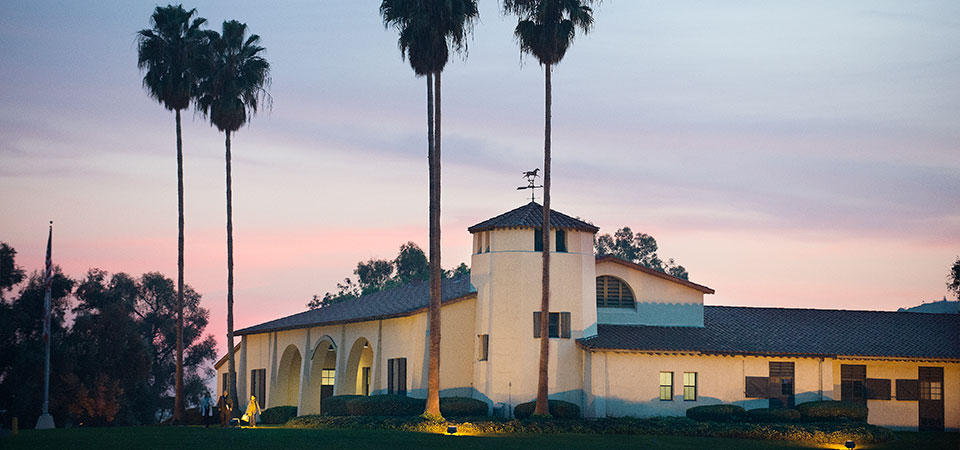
column 331, row 348
column 366, row 345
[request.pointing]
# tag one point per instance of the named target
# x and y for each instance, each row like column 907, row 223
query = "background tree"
column 169, row 52
column 232, row 90
column 427, row 29
column 639, row 248
column 545, row 29
column 10, row 274
column 953, row 279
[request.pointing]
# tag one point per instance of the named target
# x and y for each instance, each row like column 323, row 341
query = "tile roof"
column 800, row 332
column 398, row 302
column 531, row 216
column 656, row 273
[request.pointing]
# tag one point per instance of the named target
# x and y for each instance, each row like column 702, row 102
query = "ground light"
column 850, row 444
column 452, row 429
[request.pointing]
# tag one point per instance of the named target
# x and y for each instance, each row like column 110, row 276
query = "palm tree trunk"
column 178, row 381
column 542, row 393
column 433, row 157
column 232, row 364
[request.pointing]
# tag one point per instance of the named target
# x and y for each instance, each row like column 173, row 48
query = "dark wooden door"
column 326, row 391
column 931, row 398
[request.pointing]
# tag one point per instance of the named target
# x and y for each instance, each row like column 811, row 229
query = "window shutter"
column 853, row 372
column 536, row 324
column 908, row 389
column 565, row 325
column 390, row 374
column 402, row 388
column 757, row 387
column 878, row 389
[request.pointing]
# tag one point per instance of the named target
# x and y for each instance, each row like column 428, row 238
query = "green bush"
column 716, row 413
column 559, row 409
column 773, row 415
column 386, row 405
column 337, row 405
column 831, row 410
column 278, row 415
column 462, row 407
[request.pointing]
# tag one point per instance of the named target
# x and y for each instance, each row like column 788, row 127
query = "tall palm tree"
column 232, row 90
column 428, row 28
column 546, row 29
column 169, row 52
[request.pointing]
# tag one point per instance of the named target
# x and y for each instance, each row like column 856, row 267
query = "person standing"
column 225, row 405
column 253, row 411
column 206, row 409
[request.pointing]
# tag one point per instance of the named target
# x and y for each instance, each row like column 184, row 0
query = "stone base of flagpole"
column 45, row 422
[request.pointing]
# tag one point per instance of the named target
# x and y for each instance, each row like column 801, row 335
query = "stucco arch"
column 288, row 378
column 356, row 379
column 324, row 357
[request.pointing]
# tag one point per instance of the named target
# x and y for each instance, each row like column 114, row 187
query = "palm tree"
column 546, row 29
column 233, row 88
column 427, row 28
column 169, row 52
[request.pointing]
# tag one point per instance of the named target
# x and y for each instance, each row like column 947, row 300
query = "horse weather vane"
column 531, row 177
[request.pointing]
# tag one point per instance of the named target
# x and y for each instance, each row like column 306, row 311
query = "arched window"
column 613, row 292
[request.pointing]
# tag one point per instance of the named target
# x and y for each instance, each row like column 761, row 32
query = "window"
column 226, row 383
column 486, row 242
column 327, row 377
column 561, row 241
column 397, row 376
column 558, row 326
column 666, row 386
column 613, row 292
column 690, row 386
column 483, row 351
column 931, row 383
column 538, row 239
column 852, row 381
column 258, row 384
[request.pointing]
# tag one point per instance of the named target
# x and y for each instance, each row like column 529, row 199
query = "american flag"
column 47, row 281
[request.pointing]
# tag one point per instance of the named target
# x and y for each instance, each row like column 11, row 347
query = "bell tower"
column 506, row 269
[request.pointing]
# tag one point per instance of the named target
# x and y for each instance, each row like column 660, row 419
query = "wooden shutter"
column 402, row 379
column 878, row 388
column 781, row 369
column 908, row 389
column 853, row 372
column 391, row 385
column 536, row 324
column 565, row 325
column 930, row 373
column 757, row 387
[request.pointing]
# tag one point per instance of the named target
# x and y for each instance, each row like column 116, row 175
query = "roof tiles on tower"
column 531, row 216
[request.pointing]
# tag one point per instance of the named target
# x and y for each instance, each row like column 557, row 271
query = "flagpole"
column 46, row 420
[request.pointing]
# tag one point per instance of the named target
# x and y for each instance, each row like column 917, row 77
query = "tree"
column 169, row 52
column 545, row 29
column 232, row 89
column 639, row 248
column 427, row 28
column 10, row 273
column 953, row 279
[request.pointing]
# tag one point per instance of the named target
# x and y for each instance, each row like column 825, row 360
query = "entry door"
column 326, row 385
column 366, row 381
column 931, row 398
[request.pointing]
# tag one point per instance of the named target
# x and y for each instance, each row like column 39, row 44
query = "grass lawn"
column 291, row 439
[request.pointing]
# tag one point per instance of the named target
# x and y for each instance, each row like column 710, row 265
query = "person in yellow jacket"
column 253, row 412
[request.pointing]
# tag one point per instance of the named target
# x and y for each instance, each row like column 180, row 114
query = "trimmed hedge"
column 559, row 409
column 819, row 433
column 337, row 405
column 773, row 415
column 462, row 407
column 832, row 410
column 717, row 413
column 386, row 405
column 278, row 415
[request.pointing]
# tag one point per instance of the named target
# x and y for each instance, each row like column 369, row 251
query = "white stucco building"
column 625, row 340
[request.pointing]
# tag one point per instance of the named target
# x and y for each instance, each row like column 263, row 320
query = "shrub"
column 385, row 405
column 773, row 415
column 278, row 414
column 559, row 409
column 337, row 405
column 831, row 410
column 462, row 407
column 716, row 413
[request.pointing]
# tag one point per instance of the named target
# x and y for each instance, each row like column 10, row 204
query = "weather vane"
column 531, row 177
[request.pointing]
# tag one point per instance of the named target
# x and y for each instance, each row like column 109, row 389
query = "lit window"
column 931, row 390
column 666, row 386
column 327, row 377
column 613, row 292
column 690, row 386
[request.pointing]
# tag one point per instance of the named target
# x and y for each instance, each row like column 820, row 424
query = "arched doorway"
column 288, row 378
column 358, row 372
column 323, row 369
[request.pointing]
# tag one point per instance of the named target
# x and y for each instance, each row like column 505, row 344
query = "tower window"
column 613, row 292
column 561, row 241
column 538, row 239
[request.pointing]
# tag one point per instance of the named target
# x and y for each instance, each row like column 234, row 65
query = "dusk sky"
column 790, row 153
